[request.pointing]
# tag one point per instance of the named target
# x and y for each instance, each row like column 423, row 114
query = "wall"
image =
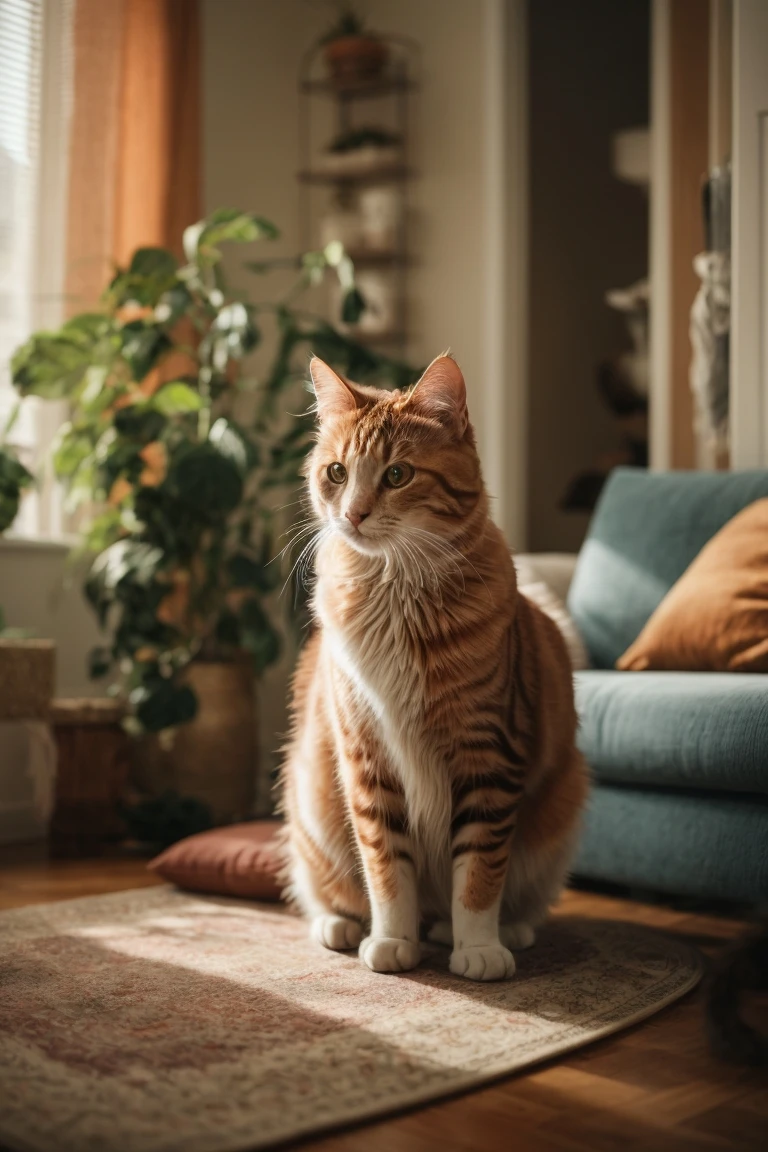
column 588, row 68
column 252, row 54
column 39, row 591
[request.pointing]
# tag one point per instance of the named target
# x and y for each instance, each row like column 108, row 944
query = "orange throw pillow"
column 715, row 618
column 240, row 860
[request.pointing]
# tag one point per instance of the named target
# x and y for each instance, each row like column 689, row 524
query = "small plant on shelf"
column 353, row 54
column 14, row 479
column 172, row 455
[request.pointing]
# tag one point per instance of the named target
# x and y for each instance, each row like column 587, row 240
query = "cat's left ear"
column 335, row 396
column 441, row 394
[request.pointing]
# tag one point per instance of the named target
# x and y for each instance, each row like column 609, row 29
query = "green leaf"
column 173, row 304
column 164, row 820
column 13, row 472
column 104, row 530
column 207, row 480
column 201, row 240
column 234, row 443
column 71, row 449
column 151, row 273
column 164, row 705
column 140, row 422
column 133, row 561
column 258, row 636
column 245, row 572
column 52, row 365
column 353, row 306
column 143, row 345
column 177, row 397
column 9, row 507
column 228, row 629
column 99, row 663
column 233, row 334
column 151, row 262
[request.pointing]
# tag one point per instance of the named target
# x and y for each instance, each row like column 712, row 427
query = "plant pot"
column 27, row 675
column 213, row 758
column 355, row 60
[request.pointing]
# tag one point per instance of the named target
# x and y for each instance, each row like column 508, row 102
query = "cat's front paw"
column 483, row 962
column 336, row 932
column 388, row 954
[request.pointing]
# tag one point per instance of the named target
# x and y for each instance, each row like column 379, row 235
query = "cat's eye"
column 398, row 475
column 337, row 473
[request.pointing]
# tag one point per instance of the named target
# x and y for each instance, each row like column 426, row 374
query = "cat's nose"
column 356, row 518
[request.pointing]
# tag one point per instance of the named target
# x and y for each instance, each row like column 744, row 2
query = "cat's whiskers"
column 304, row 531
column 307, row 555
column 451, row 549
column 439, row 558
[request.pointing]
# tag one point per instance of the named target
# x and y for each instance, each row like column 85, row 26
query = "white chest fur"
column 373, row 653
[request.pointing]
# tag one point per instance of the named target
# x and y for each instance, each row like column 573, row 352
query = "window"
column 35, row 100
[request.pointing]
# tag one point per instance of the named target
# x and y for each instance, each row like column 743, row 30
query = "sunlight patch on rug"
column 156, row 1021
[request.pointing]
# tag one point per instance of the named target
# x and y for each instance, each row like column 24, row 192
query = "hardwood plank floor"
column 654, row 1088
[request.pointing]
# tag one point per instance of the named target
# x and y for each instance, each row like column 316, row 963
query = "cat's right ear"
column 334, row 395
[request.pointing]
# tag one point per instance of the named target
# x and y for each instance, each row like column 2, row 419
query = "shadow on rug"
column 156, row 1021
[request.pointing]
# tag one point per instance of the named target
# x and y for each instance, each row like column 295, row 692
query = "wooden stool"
column 94, row 755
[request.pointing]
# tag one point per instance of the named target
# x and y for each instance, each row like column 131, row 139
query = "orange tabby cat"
column 432, row 775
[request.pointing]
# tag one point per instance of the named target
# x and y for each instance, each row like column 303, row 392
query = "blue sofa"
column 680, row 759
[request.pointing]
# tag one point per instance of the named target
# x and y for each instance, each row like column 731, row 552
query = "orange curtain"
column 135, row 169
column 157, row 191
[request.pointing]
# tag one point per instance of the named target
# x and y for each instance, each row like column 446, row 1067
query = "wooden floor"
column 653, row 1088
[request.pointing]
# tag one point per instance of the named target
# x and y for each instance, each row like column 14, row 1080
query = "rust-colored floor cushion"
column 240, row 860
column 715, row 618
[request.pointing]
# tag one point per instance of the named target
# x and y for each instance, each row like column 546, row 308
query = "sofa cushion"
column 680, row 729
column 715, row 618
column 697, row 844
column 646, row 530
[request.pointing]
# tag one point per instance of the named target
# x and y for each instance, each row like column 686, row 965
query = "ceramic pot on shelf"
column 356, row 59
column 381, row 213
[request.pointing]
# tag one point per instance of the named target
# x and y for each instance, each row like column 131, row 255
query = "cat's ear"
column 442, row 395
column 334, row 395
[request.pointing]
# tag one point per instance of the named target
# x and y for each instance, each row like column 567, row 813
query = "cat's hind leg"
column 542, row 852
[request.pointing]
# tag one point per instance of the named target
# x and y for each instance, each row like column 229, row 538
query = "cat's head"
column 394, row 470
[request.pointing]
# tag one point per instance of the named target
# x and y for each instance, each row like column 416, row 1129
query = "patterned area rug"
column 154, row 1021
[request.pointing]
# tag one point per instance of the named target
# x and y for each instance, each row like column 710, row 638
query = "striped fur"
column 431, row 777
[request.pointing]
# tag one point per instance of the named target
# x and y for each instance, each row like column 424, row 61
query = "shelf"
column 359, row 90
column 392, row 336
column 392, row 172
column 369, row 259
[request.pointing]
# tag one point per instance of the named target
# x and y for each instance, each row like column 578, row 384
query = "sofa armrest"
column 555, row 569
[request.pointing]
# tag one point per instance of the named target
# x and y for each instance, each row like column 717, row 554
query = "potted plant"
column 353, row 55
column 361, row 151
column 27, row 665
column 173, row 459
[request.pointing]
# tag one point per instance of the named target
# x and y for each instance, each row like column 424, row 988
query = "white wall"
column 252, row 52
column 252, row 55
column 41, row 592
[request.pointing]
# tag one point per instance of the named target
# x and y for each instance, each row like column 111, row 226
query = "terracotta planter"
column 356, row 59
column 214, row 758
